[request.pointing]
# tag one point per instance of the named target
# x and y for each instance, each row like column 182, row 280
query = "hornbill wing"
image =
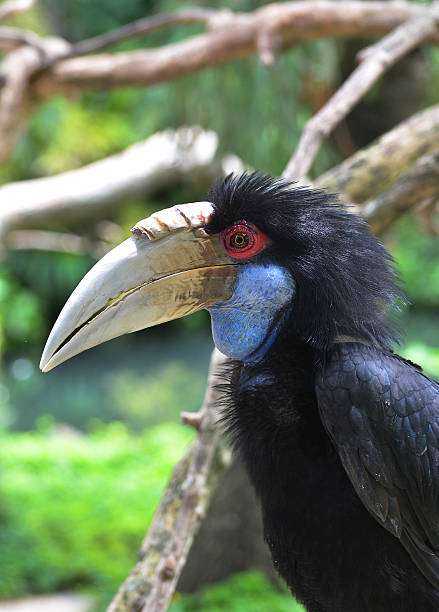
column 383, row 417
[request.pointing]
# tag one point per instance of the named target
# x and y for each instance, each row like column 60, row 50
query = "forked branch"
column 375, row 61
column 268, row 31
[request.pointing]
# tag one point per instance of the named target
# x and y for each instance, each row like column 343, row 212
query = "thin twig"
column 230, row 36
column 140, row 26
column 378, row 59
column 426, row 215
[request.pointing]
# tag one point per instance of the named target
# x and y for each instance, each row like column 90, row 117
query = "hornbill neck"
column 271, row 405
column 272, row 416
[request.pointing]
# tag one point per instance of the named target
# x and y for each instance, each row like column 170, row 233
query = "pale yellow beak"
column 169, row 268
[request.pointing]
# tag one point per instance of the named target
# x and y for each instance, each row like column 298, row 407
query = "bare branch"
column 231, row 36
column 193, row 419
column 164, row 159
column 426, row 215
column 378, row 59
column 38, row 240
column 418, row 184
column 15, row 6
column 152, row 582
column 189, row 154
column 372, row 170
column 16, row 71
column 14, row 102
column 11, row 38
column 268, row 31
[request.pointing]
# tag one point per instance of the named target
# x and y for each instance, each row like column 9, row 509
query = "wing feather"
column 382, row 414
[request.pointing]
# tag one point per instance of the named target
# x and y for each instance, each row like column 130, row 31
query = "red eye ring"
column 243, row 240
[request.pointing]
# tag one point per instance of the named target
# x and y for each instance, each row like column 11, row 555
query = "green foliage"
column 28, row 284
column 240, row 593
column 107, row 132
column 142, row 379
column 47, row 276
column 74, row 508
column 101, row 15
column 143, row 399
column 21, row 312
column 425, row 356
column 417, row 255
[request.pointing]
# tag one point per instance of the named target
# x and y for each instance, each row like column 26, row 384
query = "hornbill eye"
column 243, row 239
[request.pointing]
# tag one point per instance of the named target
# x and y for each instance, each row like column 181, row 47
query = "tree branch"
column 171, row 157
column 15, row 103
column 38, row 240
column 426, row 215
column 164, row 159
column 268, row 31
column 419, row 184
column 376, row 60
column 372, row 170
column 231, row 35
column 11, row 38
column 152, row 582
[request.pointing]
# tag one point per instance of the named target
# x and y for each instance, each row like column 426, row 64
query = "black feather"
column 346, row 284
column 350, row 517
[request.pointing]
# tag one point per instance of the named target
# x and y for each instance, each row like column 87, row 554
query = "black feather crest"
column 346, row 284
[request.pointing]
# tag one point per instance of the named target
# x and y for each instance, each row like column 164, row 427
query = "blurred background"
column 86, row 450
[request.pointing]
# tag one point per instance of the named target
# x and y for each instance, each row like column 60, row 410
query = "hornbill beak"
column 169, row 268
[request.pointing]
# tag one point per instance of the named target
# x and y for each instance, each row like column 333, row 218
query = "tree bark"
column 372, row 170
column 273, row 28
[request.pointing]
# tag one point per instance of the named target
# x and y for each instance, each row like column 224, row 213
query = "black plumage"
column 339, row 435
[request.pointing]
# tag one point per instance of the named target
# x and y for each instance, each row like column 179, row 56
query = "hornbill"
column 340, row 436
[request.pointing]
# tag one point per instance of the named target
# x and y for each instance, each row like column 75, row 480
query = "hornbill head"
column 260, row 255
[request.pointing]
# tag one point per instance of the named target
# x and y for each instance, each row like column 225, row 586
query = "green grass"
column 249, row 591
column 74, row 509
